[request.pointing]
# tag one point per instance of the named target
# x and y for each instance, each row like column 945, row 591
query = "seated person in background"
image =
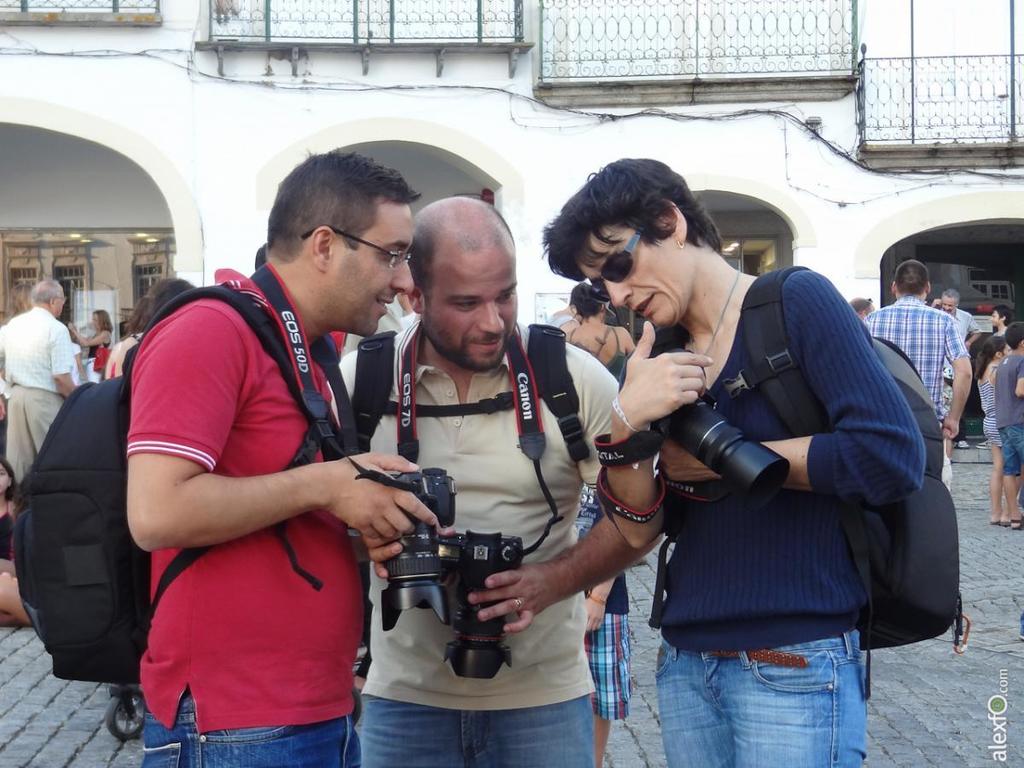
column 12, row 614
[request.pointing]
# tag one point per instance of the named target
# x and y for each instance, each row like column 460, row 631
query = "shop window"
column 72, row 279
column 753, row 256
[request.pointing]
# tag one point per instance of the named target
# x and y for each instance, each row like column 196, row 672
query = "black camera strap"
column 529, row 424
column 324, row 428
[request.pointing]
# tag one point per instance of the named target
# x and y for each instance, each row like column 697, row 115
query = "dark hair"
column 341, row 189
column 583, row 299
column 435, row 222
column 165, row 290
column 261, row 256
column 103, row 318
column 1004, row 312
column 634, row 192
column 159, row 294
column 21, row 299
column 1014, row 335
column 12, row 489
column 141, row 313
column 911, row 277
column 993, row 346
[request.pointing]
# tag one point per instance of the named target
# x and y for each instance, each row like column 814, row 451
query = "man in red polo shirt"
column 248, row 664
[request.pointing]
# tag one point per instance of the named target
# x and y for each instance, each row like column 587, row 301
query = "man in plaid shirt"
column 929, row 337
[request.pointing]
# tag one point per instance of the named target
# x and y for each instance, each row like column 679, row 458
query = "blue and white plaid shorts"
column 608, row 654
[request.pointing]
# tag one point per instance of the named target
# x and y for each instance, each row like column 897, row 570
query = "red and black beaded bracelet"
column 613, row 506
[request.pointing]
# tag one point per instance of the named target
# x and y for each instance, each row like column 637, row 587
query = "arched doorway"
column 983, row 261
column 434, row 173
column 755, row 238
column 79, row 212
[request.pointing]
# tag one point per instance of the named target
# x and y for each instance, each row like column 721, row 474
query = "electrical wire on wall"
column 588, row 118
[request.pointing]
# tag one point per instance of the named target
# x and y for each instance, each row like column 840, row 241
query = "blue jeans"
column 397, row 734
column 1013, row 448
column 330, row 744
column 735, row 713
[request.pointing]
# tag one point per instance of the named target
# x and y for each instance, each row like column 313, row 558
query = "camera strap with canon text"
column 524, row 397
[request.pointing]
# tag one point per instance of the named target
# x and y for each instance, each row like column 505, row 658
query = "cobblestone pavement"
column 929, row 707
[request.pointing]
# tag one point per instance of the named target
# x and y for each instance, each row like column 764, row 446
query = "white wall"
column 53, row 181
column 217, row 147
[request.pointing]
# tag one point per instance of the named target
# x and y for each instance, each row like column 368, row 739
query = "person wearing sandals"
column 1010, row 415
column 992, row 353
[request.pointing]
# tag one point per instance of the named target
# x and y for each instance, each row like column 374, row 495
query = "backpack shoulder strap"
column 546, row 351
column 375, row 373
column 772, row 368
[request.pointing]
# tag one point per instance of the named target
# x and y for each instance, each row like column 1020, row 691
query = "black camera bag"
column 907, row 552
column 83, row 581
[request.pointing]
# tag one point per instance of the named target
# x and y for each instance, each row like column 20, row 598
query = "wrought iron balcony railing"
column 590, row 39
column 79, row 6
column 367, row 21
column 941, row 99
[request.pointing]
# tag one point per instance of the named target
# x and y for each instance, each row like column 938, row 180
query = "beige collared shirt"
column 497, row 491
column 34, row 347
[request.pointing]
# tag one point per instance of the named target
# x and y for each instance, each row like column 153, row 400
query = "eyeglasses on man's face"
column 615, row 268
column 395, row 258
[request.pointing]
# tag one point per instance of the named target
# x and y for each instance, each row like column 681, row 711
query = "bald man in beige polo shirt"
column 537, row 711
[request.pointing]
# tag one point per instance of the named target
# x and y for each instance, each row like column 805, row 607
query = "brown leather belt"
column 766, row 656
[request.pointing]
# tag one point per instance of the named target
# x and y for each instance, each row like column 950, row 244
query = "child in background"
column 992, row 353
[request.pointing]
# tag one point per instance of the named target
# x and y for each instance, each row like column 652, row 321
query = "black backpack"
column 907, row 552
column 546, row 353
column 84, row 583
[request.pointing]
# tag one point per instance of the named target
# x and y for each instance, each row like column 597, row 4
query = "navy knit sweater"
column 742, row 579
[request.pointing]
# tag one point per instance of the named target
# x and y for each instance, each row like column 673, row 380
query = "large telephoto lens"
column 747, row 467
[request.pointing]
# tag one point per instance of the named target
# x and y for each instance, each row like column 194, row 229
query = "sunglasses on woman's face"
column 615, row 269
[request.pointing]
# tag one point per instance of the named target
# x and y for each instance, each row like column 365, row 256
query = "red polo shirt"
column 254, row 643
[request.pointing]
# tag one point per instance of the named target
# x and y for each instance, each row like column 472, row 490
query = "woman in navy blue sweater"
column 760, row 664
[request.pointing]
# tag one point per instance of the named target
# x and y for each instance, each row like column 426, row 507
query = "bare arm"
column 103, row 337
column 173, row 502
column 961, row 388
column 65, row 386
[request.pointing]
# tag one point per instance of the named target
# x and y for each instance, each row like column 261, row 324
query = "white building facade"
column 143, row 138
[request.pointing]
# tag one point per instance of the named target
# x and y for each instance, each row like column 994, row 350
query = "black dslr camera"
column 747, row 467
column 416, row 577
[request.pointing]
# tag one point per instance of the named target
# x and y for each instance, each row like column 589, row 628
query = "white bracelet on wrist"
column 617, row 407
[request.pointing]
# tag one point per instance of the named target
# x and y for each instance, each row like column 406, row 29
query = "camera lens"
column 747, row 467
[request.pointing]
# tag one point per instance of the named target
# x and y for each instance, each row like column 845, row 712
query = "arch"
column 185, row 218
column 460, row 149
column 774, row 198
column 952, row 210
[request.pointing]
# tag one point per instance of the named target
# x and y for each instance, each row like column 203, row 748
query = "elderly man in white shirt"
column 36, row 356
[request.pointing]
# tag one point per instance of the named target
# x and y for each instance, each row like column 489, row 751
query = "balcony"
column 88, row 13
column 703, row 50
column 941, row 111
column 294, row 27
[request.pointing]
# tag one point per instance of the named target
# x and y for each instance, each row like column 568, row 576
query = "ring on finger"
column 518, row 603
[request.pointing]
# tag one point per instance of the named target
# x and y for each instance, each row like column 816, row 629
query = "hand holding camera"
column 659, row 381
column 746, row 467
column 417, row 575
